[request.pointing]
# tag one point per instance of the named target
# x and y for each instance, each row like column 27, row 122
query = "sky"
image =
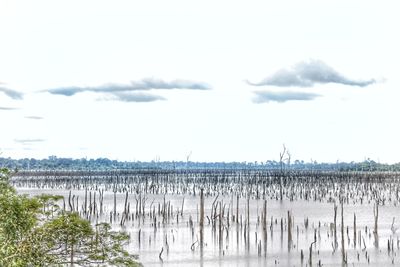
column 216, row 80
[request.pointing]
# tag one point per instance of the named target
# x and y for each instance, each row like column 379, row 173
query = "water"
column 176, row 236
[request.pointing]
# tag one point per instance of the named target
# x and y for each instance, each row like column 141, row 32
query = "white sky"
column 47, row 44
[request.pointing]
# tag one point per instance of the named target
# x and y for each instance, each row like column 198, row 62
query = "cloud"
column 136, row 97
column 309, row 73
column 11, row 93
column 66, row 91
column 7, row 108
column 34, row 117
column 142, row 85
column 28, row 141
column 151, row 83
column 281, row 97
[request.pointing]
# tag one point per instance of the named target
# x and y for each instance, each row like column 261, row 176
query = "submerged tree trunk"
column 201, row 219
column 344, row 261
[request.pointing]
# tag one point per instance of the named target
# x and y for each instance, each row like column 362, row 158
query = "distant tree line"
column 55, row 163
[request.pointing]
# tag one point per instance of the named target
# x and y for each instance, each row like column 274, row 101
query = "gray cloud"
column 34, row 117
column 142, row 85
column 281, row 97
column 136, row 97
column 11, row 93
column 309, row 73
column 28, row 141
column 7, row 108
column 66, row 91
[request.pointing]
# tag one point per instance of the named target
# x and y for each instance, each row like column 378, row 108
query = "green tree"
column 18, row 216
column 35, row 232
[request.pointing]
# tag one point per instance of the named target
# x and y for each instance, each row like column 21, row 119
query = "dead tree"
column 344, row 261
column 201, row 219
column 376, row 213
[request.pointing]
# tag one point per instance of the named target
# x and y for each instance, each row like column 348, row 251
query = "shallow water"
column 177, row 237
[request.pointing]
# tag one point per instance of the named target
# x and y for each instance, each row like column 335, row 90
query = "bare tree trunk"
column 289, row 230
column 376, row 212
column 355, row 231
column 265, row 227
column 335, row 226
column 344, row 262
column 201, row 219
column 237, row 209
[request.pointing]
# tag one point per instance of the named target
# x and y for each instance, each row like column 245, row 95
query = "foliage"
column 4, row 185
column 55, row 163
column 35, row 232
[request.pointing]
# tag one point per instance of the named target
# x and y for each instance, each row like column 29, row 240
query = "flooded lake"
column 164, row 224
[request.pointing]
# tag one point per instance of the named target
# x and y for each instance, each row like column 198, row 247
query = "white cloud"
column 309, row 73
